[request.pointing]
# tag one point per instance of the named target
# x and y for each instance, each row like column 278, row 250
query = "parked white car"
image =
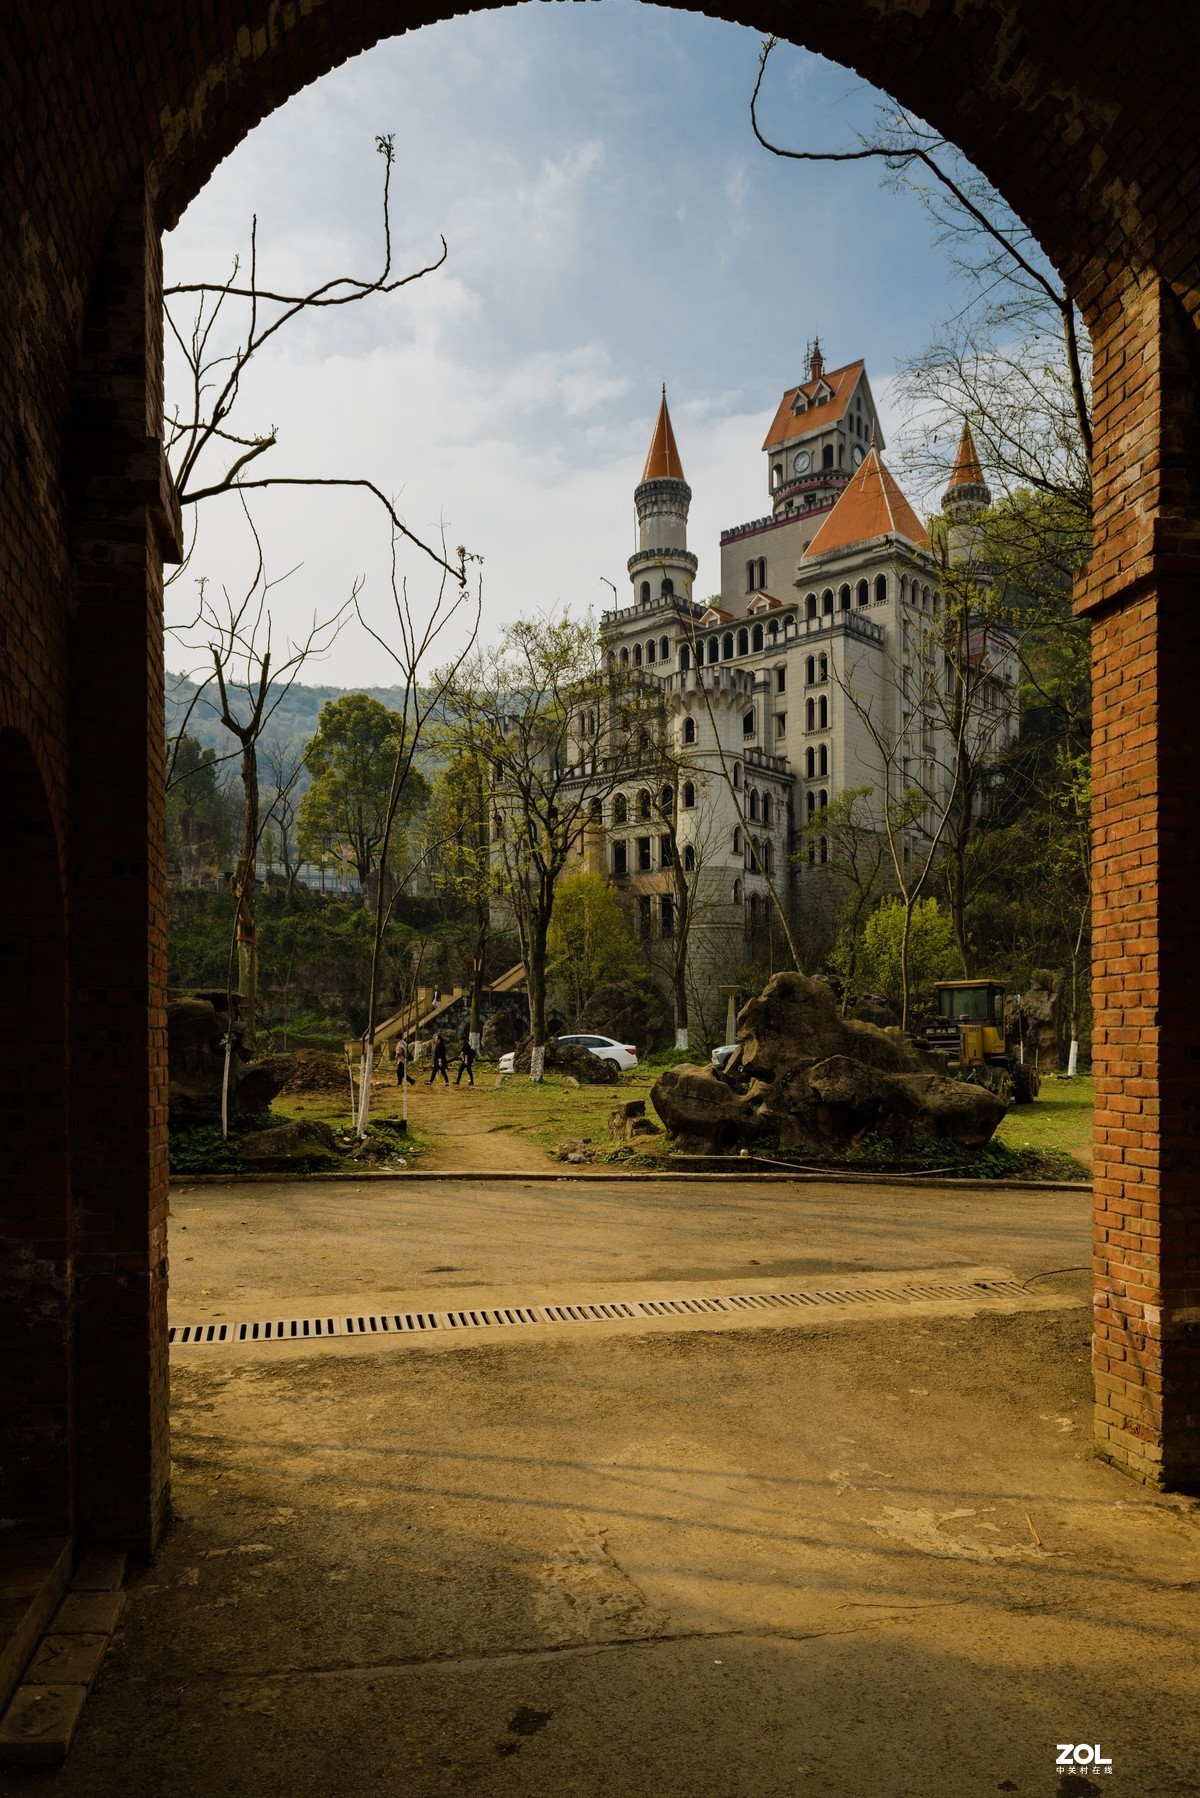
column 605, row 1048
column 722, row 1056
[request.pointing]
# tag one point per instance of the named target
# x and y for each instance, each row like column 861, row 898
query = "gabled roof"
column 714, row 615
column 872, row 505
column 663, row 464
column 789, row 423
column 967, row 471
column 762, row 601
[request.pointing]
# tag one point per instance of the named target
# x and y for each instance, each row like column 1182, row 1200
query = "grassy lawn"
column 1060, row 1118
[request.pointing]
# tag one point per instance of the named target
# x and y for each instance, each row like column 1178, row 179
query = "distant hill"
column 294, row 717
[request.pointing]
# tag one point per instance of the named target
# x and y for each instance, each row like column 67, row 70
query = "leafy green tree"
column 462, row 868
column 202, row 813
column 589, row 941
column 351, row 760
column 932, row 953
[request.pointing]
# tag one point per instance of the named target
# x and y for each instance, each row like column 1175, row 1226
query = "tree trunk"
column 683, row 925
column 904, row 974
column 539, row 928
column 246, row 891
column 475, row 1021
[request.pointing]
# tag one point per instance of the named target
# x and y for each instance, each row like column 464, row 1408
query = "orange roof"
column 787, row 424
column 663, row 461
column 872, row 505
column 967, row 469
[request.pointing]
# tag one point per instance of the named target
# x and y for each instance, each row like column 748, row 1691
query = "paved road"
column 235, row 1248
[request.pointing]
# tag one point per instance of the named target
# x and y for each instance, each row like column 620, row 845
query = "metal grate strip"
column 415, row 1323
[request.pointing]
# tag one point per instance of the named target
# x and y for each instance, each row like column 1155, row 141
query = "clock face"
column 802, row 463
column 858, row 455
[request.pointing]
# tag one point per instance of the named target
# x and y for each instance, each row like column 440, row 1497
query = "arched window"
column 810, row 606
column 822, row 799
column 810, row 762
column 743, row 642
column 811, row 805
column 689, row 730
column 624, row 658
column 620, row 809
column 643, row 804
column 689, row 859
column 685, row 658
column 823, row 668
column 824, row 849
column 596, row 812
column 666, row 798
column 689, row 795
column 737, row 774
column 651, row 651
column 754, row 804
column 757, row 637
column 934, row 604
column 823, row 760
column 762, row 572
column 637, row 655
column 766, row 808
column 880, row 589
column 843, row 599
column 827, row 602
column 822, row 713
column 727, row 647
column 827, row 456
column 668, row 587
column 864, row 593
column 748, row 723
column 810, row 669
column 737, row 892
column 768, row 859
column 750, row 572
column 810, row 714
column 777, row 475
column 773, row 630
column 841, row 455
column 645, row 593
column 664, row 649
column 737, row 840
column 714, row 649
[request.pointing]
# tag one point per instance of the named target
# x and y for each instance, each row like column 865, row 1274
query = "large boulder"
column 196, row 1025
column 501, row 1032
column 296, row 1143
column 568, row 1058
column 806, row 1078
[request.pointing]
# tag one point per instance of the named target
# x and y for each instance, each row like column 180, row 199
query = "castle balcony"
column 771, row 764
column 850, row 624
column 619, row 617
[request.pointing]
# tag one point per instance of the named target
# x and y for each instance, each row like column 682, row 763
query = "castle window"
column 824, row 849
column 827, row 602
column 714, row 649
column 810, row 714
column 766, row 808
column 737, row 892
column 689, row 795
column 643, row 855
column 750, row 568
column 822, row 713
column 685, row 658
column 822, row 799
column 810, row 764
column 864, row 593
column 844, row 599
column 810, row 606
column 762, row 572
column 666, row 799
column 748, row 723
column 823, row 760
column 727, row 647
column 841, row 455
column 643, row 804
column 737, row 774
column 596, row 812
column 827, row 456
column 810, row 670
column 777, row 475
column 823, row 668
column 689, row 730
column 773, row 630
column 754, row 804
column 637, row 655
column 880, row 589
column 645, row 593
column 689, row 859
column 664, row 650
column 811, row 805
column 737, row 840
column 781, row 680
column 620, row 858
column 620, row 809
column 666, row 915
column 651, row 651
column 666, row 855
column 780, row 723
column 757, row 638
column 668, row 587
column 743, row 641
column 624, row 658
column 768, row 859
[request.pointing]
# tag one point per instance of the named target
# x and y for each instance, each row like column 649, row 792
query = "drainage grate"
column 416, row 1323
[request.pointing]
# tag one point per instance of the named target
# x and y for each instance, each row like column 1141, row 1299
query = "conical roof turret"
column 663, row 464
column 967, row 471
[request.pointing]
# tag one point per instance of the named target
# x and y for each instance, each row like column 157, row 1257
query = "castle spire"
column 967, row 470
column 662, row 463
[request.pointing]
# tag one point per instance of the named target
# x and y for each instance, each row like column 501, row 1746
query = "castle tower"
column 966, row 499
column 662, row 565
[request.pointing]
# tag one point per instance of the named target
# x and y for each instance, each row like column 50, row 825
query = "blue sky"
column 612, row 224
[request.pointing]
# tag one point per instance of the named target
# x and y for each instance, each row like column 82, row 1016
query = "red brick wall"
column 1094, row 145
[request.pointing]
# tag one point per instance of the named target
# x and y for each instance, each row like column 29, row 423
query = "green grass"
column 1058, row 1122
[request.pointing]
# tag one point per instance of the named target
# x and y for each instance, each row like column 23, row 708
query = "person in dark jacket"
column 466, row 1061
column 441, row 1060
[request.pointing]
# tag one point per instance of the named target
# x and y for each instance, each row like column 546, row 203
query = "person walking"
column 441, row 1060
column 402, row 1073
column 466, row 1061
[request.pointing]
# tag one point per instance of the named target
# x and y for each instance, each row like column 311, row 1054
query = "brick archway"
column 114, row 127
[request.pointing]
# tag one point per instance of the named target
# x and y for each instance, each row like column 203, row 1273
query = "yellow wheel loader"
column 971, row 1027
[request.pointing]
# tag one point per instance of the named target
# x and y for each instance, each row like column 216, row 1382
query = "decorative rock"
column 195, row 1027
column 294, row 1143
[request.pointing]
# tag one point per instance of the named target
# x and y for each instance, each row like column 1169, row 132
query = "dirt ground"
column 851, row 1560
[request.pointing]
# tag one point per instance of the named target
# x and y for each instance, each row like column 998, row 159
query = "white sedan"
column 605, row 1048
